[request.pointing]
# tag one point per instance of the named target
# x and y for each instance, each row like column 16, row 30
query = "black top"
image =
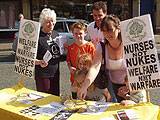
column 47, row 42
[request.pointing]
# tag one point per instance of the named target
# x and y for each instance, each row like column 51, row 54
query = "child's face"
column 83, row 65
column 78, row 34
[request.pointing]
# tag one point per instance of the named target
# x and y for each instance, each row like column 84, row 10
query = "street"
column 10, row 78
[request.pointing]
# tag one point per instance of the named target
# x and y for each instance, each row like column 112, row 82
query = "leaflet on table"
column 28, row 98
column 25, row 98
column 62, row 115
column 51, row 108
column 30, row 111
column 5, row 97
column 127, row 115
column 97, row 108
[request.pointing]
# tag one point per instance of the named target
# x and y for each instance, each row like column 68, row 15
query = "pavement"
column 6, row 45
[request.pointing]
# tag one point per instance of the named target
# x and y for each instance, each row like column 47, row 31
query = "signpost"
column 140, row 53
column 27, row 48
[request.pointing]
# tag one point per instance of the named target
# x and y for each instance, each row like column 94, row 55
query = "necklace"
column 115, row 48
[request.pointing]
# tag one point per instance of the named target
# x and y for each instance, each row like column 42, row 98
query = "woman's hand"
column 42, row 63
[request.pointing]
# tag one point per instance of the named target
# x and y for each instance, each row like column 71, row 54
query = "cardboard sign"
column 27, row 48
column 140, row 53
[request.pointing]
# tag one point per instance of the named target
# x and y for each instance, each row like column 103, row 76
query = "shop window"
column 59, row 27
column 121, row 9
column 9, row 11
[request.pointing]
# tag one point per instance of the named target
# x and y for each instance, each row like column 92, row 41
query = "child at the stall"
column 131, row 97
column 94, row 93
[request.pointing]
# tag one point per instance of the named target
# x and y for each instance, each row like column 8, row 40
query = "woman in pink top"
column 110, row 27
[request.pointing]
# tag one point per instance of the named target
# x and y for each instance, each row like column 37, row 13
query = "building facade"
column 125, row 9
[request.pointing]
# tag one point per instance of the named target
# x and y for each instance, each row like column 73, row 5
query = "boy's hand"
column 72, row 70
column 82, row 93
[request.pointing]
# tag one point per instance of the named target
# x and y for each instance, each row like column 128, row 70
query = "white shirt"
column 94, row 33
column 115, row 64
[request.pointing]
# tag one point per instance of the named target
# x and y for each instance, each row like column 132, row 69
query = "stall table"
column 10, row 109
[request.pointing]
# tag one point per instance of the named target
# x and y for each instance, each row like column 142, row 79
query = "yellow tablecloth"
column 10, row 110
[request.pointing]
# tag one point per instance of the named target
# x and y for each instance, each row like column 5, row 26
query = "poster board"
column 27, row 48
column 140, row 53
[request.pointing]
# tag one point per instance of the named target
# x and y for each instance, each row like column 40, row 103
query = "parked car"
column 7, row 33
column 63, row 27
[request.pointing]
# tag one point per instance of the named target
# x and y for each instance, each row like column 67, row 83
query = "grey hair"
column 46, row 14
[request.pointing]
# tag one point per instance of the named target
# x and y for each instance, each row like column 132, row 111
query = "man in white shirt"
column 99, row 11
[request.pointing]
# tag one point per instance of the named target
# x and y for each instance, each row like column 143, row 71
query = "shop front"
column 80, row 9
column 9, row 10
column 68, row 9
column 75, row 9
column 31, row 9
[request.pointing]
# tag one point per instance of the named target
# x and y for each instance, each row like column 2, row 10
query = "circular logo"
column 136, row 30
column 55, row 49
column 28, row 29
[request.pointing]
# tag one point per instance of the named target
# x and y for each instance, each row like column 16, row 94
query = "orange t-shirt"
column 74, row 50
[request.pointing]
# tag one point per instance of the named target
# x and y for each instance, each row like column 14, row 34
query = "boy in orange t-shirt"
column 77, row 48
column 80, row 46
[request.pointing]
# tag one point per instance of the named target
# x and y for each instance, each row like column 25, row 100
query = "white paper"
column 132, row 114
column 5, row 97
column 28, row 98
column 47, row 56
column 98, row 106
column 25, row 101
column 51, row 108
column 34, row 96
column 47, row 110
column 57, row 105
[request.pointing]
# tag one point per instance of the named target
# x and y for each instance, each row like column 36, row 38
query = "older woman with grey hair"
column 47, row 78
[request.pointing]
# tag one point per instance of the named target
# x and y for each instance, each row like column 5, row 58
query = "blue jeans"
column 110, row 89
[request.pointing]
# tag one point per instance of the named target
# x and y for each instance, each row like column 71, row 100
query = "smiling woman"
column 114, row 57
column 47, row 77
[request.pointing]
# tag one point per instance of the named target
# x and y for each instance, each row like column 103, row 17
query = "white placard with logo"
column 27, row 48
column 140, row 53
